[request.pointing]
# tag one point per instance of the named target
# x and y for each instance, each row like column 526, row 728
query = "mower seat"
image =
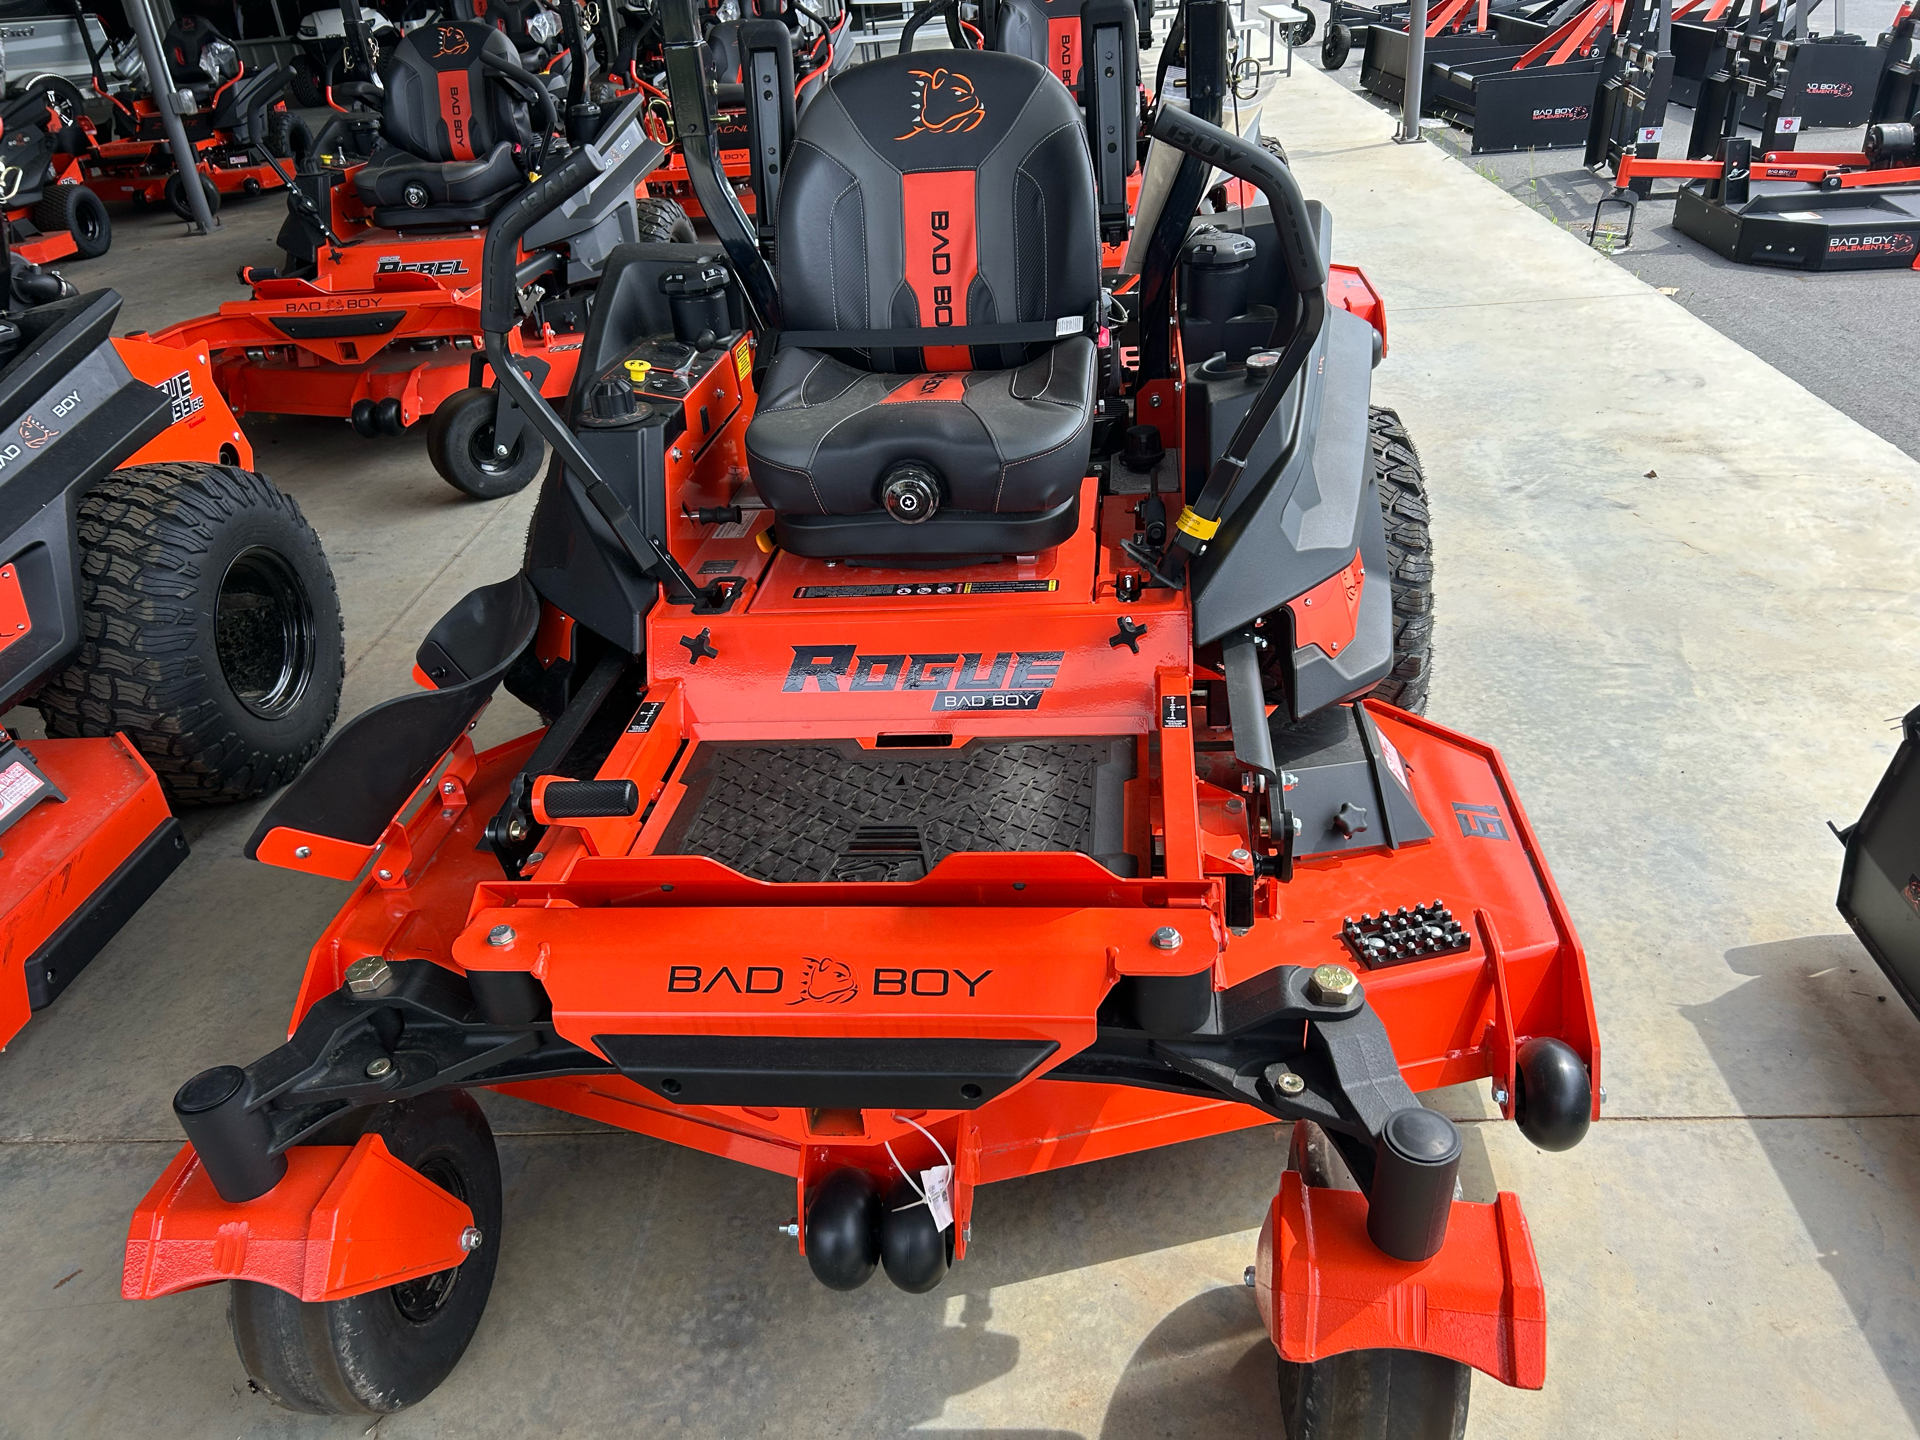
column 932, row 195
column 455, row 133
column 199, row 58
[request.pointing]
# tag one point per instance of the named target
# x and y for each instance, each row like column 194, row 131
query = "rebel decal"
column 971, row 680
column 394, row 265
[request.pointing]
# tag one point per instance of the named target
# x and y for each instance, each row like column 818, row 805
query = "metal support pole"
column 1409, row 131
column 160, row 85
column 1664, row 27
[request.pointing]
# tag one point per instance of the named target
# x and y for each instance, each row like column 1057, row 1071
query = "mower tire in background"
column 211, row 630
column 77, row 209
column 663, row 222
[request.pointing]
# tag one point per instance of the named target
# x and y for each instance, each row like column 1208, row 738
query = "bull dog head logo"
column 943, row 104
column 36, row 433
column 827, row 982
column 452, row 42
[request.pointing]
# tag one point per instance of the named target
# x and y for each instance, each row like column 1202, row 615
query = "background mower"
column 240, row 122
column 166, row 609
column 376, row 313
column 51, row 214
column 964, row 755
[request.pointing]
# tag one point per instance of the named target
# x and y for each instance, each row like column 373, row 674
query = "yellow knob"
column 637, row 371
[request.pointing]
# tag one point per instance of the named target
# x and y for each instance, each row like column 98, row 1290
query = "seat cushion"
column 1001, row 441
column 407, row 192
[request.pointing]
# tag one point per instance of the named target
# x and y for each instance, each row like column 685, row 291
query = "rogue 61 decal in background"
column 1010, row 680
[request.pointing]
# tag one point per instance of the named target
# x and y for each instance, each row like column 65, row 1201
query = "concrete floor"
column 1689, row 626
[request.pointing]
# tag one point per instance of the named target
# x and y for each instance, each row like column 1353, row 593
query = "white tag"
column 1650, row 135
column 1788, row 125
column 938, row 1183
column 1069, row 325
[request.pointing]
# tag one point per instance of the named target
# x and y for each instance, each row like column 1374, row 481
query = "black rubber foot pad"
column 792, row 813
column 1394, row 937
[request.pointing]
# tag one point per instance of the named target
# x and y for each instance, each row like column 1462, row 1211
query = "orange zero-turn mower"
column 165, row 608
column 241, row 124
column 853, row 644
column 376, row 315
column 51, row 213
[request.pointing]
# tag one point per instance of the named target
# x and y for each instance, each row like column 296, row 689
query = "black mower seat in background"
column 455, row 135
column 932, row 191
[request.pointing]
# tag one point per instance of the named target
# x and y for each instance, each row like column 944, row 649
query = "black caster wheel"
column 387, row 416
column 461, row 446
column 380, row 1352
column 364, row 421
column 1336, row 46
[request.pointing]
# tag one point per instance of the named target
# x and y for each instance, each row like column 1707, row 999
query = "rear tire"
column 460, row 445
column 79, row 210
column 663, row 222
column 176, row 196
column 210, row 630
column 1403, row 503
column 380, row 1352
column 1303, row 31
column 1365, row 1394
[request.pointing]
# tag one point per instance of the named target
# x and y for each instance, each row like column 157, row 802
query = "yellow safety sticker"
column 1190, row 523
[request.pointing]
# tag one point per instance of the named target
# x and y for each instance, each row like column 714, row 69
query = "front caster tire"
column 1403, row 504
column 1365, row 1394
column 383, row 1351
column 460, row 445
column 210, row 630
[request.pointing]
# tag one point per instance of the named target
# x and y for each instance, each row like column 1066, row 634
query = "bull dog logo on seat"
column 943, row 104
column 452, row 42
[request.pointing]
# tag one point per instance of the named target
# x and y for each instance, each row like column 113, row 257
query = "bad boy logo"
column 943, row 104
column 827, row 982
column 452, row 42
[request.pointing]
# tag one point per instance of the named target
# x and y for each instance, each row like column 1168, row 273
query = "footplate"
column 1325, row 1289
column 797, row 813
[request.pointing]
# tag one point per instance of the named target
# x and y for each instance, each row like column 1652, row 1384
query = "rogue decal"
column 973, row 680
column 183, row 402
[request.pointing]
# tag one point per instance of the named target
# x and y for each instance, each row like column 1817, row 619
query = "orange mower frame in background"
column 375, row 319
column 112, row 447
column 936, row 784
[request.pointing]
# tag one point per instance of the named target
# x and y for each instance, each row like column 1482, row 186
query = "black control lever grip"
column 1245, row 160
column 518, row 216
